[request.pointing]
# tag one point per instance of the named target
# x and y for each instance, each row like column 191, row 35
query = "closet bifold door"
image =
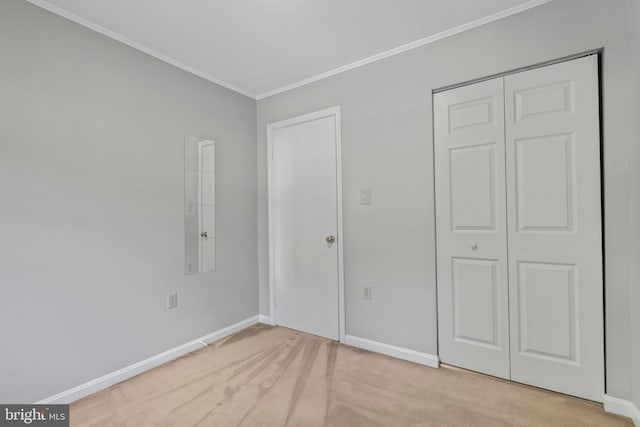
column 554, row 228
column 469, row 151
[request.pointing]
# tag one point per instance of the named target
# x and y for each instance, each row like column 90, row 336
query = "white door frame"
column 329, row 112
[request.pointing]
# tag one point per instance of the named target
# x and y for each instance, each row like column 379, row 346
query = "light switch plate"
column 172, row 300
column 365, row 196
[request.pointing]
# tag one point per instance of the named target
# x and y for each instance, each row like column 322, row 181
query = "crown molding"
column 439, row 36
column 111, row 34
column 400, row 49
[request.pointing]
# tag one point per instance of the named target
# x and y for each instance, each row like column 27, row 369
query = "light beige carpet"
column 273, row 376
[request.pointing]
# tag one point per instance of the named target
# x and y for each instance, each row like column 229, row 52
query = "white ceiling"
column 260, row 47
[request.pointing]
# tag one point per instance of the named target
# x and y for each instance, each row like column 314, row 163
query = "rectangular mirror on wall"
column 199, row 204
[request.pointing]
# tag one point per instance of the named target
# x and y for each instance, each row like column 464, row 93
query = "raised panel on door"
column 475, row 314
column 472, row 187
column 471, row 229
column 547, row 311
column 554, row 217
column 545, row 183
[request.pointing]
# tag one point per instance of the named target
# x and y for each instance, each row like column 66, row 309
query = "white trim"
column 130, row 371
column 328, row 112
column 430, row 39
column 267, row 320
column 272, row 275
column 622, row 407
column 122, row 39
column 341, row 304
column 393, row 351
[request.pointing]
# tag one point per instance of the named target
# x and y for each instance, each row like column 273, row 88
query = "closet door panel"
column 471, row 228
column 554, row 228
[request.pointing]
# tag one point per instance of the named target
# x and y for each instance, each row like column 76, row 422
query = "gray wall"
column 387, row 146
column 634, row 77
column 91, row 216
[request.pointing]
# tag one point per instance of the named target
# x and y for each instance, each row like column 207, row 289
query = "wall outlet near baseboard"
column 172, row 300
column 366, row 292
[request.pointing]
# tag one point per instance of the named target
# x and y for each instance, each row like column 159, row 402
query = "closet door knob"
column 330, row 239
column 204, row 234
column 474, row 246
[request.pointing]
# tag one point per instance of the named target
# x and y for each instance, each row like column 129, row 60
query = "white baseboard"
column 130, row 371
column 393, row 351
column 267, row 320
column 622, row 407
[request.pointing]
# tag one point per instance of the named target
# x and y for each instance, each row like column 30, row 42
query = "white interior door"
column 554, row 217
column 303, row 197
column 471, row 228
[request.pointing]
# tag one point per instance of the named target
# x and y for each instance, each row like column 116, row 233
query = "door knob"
column 474, row 246
column 204, row 234
column 330, row 239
